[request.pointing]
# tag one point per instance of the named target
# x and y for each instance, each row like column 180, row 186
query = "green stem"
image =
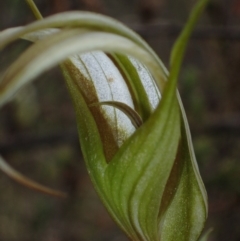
column 34, row 9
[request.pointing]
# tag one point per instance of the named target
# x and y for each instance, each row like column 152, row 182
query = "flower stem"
column 34, row 9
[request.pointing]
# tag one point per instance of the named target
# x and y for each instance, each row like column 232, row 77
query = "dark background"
column 38, row 130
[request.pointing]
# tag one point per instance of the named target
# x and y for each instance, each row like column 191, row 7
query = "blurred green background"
column 38, row 131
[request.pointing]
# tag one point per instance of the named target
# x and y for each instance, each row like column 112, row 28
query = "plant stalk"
column 34, row 9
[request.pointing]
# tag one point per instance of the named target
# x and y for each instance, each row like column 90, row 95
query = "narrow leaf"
column 8, row 170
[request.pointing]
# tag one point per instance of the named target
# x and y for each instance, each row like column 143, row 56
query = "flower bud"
column 132, row 127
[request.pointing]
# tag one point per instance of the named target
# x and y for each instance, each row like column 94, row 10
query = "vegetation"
column 106, row 172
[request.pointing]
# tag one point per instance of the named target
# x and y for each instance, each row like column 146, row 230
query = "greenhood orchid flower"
column 132, row 127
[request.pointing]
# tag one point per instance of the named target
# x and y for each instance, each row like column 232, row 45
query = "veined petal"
column 99, row 80
column 148, row 83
